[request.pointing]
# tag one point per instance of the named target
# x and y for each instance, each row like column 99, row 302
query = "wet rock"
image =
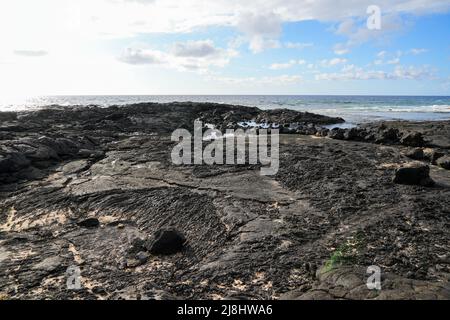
column 166, row 241
column 414, row 174
column 444, row 162
column 416, row 154
column 413, row 139
column 89, row 223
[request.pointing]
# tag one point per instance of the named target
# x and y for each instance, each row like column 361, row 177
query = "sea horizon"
column 353, row 108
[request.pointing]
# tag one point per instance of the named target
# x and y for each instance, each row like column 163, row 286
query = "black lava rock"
column 413, row 139
column 336, row 133
column 89, row 223
column 414, row 174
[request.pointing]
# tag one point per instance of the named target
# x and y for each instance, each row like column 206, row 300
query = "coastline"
column 306, row 233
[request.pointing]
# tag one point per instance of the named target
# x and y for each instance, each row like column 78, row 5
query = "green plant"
column 345, row 254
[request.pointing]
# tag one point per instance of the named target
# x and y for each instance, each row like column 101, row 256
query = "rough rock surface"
column 444, row 162
column 333, row 203
column 414, row 173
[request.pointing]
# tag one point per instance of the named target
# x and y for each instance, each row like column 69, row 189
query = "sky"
column 127, row 47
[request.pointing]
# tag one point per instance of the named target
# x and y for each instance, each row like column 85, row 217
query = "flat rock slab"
column 351, row 283
column 75, row 167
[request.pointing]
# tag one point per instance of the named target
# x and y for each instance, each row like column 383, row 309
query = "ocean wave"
column 417, row 109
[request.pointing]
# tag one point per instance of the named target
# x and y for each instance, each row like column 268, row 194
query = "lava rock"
column 336, row 133
column 137, row 245
column 48, row 264
column 166, row 241
column 444, row 162
column 75, row 167
column 390, row 135
column 323, row 132
column 85, row 153
column 13, row 162
column 89, row 223
column 351, row 134
column 416, row 154
column 413, row 139
column 433, row 155
column 414, row 174
column 142, row 257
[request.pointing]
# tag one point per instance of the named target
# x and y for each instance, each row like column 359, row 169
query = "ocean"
column 354, row 109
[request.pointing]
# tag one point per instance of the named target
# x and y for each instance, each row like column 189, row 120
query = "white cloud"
column 190, row 55
column 341, row 49
column 30, row 53
column 47, row 22
column 332, row 62
column 261, row 29
column 141, row 56
column 416, row 51
column 413, row 73
column 352, row 72
column 298, row 45
column 197, row 49
column 276, row 80
column 286, row 65
column 393, row 61
column 381, row 54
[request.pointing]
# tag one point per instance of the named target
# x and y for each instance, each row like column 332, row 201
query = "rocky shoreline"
column 95, row 188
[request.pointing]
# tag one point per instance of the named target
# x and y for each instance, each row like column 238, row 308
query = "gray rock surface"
column 247, row 236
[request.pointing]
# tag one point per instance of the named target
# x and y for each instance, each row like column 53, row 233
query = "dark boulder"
column 414, row 174
column 166, row 241
column 413, row 139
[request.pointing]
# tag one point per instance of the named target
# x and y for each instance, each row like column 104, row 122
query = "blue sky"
column 224, row 47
